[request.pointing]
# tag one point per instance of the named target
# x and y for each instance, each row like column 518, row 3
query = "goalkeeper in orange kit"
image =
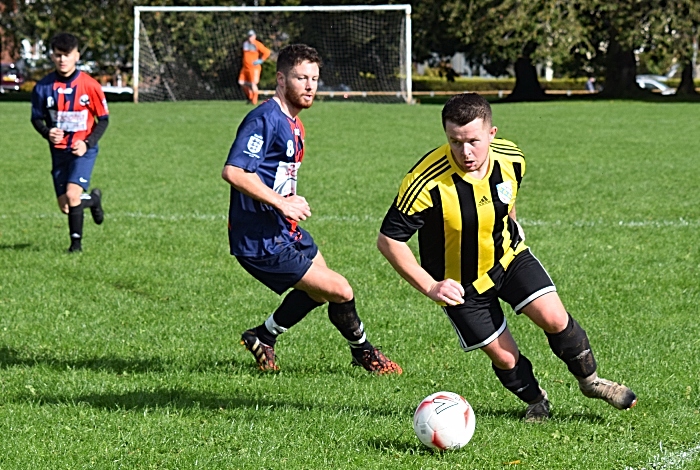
column 254, row 54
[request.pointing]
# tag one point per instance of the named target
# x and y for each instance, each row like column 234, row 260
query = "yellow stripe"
column 487, row 216
column 483, row 283
column 452, row 220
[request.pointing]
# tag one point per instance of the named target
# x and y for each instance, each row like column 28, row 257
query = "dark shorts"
column 281, row 271
column 68, row 168
column 480, row 320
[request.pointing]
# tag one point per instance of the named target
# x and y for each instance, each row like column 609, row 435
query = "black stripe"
column 518, row 168
column 436, row 173
column 413, row 191
column 500, row 211
column 470, row 230
column 503, row 145
column 411, row 187
column 421, row 160
column 431, row 239
column 512, row 153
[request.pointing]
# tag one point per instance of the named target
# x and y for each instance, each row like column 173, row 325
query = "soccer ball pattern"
column 444, row 421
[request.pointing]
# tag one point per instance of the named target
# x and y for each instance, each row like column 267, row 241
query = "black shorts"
column 281, row 271
column 480, row 320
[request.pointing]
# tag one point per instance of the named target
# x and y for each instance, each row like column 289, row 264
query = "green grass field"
column 127, row 355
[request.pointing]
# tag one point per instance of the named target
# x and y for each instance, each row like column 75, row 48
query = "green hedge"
column 424, row 83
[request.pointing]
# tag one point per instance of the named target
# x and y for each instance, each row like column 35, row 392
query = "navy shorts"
column 68, row 168
column 480, row 320
column 281, row 271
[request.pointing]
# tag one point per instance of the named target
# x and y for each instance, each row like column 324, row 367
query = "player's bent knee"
column 340, row 292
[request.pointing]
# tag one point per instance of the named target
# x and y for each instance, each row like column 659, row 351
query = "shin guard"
column 571, row 345
column 344, row 317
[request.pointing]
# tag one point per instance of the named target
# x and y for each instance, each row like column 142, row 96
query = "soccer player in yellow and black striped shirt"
column 460, row 198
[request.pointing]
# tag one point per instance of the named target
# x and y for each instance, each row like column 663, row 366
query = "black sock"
column 295, row 306
column 344, row 317
column 265, row 336
column 571, row 345
column 520, row 380
column 87, row 201
column 75, row 224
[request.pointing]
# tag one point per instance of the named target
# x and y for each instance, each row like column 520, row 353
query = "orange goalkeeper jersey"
column 252, row 51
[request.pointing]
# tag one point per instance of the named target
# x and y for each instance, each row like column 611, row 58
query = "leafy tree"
column 104, row 27
column 675, row 34
column 505, row 33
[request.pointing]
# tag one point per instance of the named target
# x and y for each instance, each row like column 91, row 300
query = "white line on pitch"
column 668, row 461
column 675, row 223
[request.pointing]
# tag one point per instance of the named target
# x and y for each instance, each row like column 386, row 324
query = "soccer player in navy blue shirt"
column 69, row 110
column 264, row 215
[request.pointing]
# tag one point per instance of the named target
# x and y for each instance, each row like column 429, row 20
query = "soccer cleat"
column 374, row 360
column 539, row 411
column 98, row 214
column 75, row 247
column 264, row 354
column 617, row 395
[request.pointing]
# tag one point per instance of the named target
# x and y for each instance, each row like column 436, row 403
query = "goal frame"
column 252, row 9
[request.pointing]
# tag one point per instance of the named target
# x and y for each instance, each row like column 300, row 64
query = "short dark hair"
column 294, row 54
column 64, row 42
column 464, row 108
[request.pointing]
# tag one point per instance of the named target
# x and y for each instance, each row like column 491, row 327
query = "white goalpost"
column 194, row 53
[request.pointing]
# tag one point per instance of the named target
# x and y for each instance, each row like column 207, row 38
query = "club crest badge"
column 505, row 192
column 84, row 100
column 255, row 143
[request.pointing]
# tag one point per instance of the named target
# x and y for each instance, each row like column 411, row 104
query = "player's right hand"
column 448, row 291
column 55, row 135
column 257, row 62
column 295, row 208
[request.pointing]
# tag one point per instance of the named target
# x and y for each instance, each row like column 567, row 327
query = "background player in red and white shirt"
column 69, row 109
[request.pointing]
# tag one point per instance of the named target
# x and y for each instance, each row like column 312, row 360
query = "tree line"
column 577, row 37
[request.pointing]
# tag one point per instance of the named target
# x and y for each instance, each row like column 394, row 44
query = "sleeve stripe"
column 507, row 150
column 510, row 153
column 417, row 181
column 421, row 160
column 415, row 188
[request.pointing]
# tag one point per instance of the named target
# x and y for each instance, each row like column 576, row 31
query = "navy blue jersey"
column 270, row 144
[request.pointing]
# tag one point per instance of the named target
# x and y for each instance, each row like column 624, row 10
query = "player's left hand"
column 448, row 291
column 257, row 62
column 79, row 148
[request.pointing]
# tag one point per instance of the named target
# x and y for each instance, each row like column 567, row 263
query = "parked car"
column 651, row 83
column 12, row 79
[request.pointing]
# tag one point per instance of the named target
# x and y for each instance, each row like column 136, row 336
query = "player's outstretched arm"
column 404, row 262
column 292, row 207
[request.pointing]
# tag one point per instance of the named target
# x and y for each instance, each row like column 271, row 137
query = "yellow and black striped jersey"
column 463, row 225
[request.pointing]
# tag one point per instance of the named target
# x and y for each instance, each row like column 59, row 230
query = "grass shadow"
column 16, row 246
column 187, row 400
column 556, row 416
column 10, row 357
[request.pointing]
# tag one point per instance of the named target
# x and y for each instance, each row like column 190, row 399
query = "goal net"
column 194, row 53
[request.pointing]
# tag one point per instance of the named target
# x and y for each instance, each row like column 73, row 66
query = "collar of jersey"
column 463, row 174
column 69, row 78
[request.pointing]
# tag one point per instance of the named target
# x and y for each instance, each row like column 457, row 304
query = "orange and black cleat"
column 264, row 354
column 373, row 360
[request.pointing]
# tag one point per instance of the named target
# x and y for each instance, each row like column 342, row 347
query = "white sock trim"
column 273, row 327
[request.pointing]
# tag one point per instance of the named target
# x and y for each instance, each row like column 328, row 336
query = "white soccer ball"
column 444, row 421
